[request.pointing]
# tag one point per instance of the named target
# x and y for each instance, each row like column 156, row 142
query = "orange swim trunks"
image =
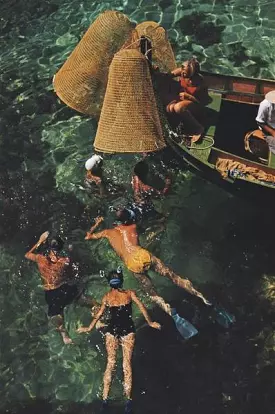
column 139, row 260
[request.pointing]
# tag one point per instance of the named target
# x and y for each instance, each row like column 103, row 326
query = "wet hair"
column 125, row 215
column 115, row 279
column 194, row 66
column 141, row 170
column 56, row 243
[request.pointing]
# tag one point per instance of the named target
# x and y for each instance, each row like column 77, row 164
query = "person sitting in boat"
column 95, row 180
column 266, row 119
column 193, row 94
column 124, row 240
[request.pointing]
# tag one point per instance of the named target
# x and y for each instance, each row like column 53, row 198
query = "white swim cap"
column 93, row 162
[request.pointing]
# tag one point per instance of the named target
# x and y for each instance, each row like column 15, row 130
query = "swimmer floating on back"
column 120, row 330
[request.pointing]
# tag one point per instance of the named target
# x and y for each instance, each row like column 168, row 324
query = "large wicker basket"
column 163, row 55
column 81, row 81
column 129, row 120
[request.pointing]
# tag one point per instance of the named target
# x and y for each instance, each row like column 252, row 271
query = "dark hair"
column 125, row 215
column 56, row 243
column 115, row 275
column 141, row 170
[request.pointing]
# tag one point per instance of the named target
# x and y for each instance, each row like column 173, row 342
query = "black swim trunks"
column 58, row 299
column 120, row 320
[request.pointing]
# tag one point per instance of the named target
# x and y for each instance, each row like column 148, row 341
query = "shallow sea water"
column 223, row 244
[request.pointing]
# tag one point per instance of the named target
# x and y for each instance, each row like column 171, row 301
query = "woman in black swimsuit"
column 120, row 330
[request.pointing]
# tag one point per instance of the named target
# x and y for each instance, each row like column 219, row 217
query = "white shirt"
column 266, row 113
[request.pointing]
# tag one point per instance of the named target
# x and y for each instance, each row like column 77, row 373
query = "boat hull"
column 259, row 194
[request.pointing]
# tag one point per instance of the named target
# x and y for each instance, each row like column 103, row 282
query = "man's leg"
column 58, row 322
column 163, row 270
column 56, row 300
column 149, row 289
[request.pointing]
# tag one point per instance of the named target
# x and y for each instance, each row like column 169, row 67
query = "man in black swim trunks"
column 58, row 292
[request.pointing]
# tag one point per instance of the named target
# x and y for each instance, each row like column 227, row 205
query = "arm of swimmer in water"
column 94, row 321
column 89, row 234
column 143, row 310
column 30, row 255
column 96, row 236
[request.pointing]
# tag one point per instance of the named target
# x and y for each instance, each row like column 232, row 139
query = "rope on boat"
column 204, row 148
column 171, row 133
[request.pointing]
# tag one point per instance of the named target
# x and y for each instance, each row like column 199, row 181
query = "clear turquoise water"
column 223, row 244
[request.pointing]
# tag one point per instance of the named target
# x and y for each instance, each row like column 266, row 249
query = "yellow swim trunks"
column 139, row 261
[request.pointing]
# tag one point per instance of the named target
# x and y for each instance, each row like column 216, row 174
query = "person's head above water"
column 115, row 278
column 56, row 244
column 141, row 170
column 190, row 68
column 125, row 215
column 94, row 163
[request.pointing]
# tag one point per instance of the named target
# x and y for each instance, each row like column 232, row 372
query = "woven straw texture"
column 81, row 82
column 129, row 120
column 163, row 55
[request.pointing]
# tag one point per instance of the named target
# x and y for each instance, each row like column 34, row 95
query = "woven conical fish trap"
column 129, row 120
column 81, row 82
column 163, row 55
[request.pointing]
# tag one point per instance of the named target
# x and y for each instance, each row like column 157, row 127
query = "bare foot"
column 195, row 138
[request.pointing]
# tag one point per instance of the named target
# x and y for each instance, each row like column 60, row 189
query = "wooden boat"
column 230, row 116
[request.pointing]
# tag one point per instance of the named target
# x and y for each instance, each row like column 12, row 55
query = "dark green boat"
column 223, row 156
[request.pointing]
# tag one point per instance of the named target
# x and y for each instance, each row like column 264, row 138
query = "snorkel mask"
column 116, row 282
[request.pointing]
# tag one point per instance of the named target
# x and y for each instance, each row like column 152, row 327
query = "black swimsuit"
column 120, row 322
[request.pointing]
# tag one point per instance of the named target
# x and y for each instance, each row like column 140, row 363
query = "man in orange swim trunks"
column 124, row 240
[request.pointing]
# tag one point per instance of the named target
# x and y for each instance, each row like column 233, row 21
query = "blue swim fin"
column 185, row 328
column 222, row 317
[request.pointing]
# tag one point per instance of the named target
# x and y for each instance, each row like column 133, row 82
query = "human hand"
column 83, row 329
column 99, row 219
column 87, row 237
column 182, row 95
column 155, row 325
column 43, row 237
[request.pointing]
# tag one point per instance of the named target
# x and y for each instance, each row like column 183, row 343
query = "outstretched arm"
column 91, row 235
column 30, row 255
column 94, row 321
column 144, row 311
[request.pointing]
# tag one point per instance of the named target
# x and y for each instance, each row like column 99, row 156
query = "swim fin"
column 222, row 317
column 185, row 328
column 104, row 407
